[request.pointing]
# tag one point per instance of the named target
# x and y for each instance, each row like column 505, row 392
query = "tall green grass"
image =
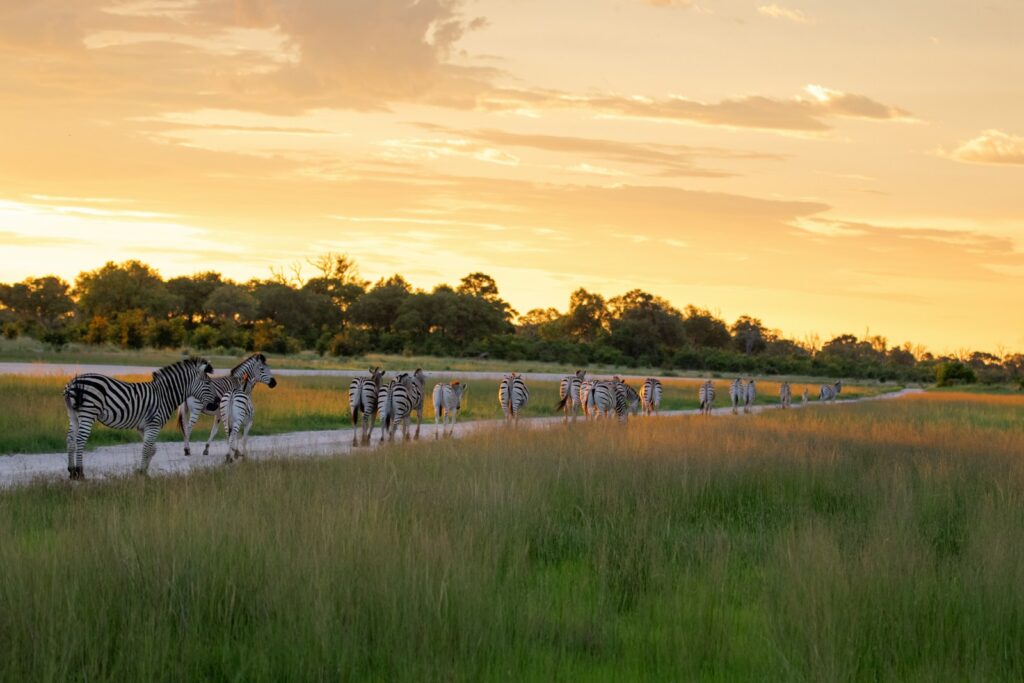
column 868, row 542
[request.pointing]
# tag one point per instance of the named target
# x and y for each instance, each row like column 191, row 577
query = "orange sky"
column 828, row 167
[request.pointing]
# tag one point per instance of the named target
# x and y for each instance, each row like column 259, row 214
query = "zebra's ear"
column 262, row 358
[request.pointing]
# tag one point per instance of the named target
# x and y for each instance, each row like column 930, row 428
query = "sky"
column 827, row 167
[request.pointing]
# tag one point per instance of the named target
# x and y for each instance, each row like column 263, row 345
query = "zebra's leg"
column 443, row 419
column 213, row 432
column 355, row 425
column 72, row 440
column 149, row 435
column 454, row 416
column 192, row 411
column 245, row 439
column 419, row 421
column 405, row 426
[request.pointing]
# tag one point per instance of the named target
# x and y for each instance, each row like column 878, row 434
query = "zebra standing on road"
column 569, row 394
column 632, row 397
column 513, row 396
column 748, row 396
column 829, row 393
column 363, row 395
column 144, row 406
column 236, row 412
column 610, row 398
column 650, row 395
column 785, row 395
column 737, row 392
column 189, row 412
column 805, row 397
column 402, row 396
column 447, row 403
column 706, row 394
column 587, row 398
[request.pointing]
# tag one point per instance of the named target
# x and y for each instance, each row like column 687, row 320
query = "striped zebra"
column 633, row 400
column 447, row 403
column 737, row 393
column 144, row 406
column 610, row 398
column 402, row 396
column 513, row 396
column 805, row 397
column 706, row 394
column 829, row 393
column 363, row 395
column 569, row 394
column 650, row 396
column 189, row 412
column 785, row 395
column 236, row 412
column 587, row 398
column 748, row 396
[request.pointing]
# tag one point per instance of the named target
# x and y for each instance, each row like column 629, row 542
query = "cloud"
column 802, row 113
column 776, row 12
column 669, row 3
column 991, row 147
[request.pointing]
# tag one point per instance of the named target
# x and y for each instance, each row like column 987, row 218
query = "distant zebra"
column 402, row 396
column 632, row 397
column 236, row 412
column 447, row 403
column 737, row 393
column 513, row 396
column 587, row 398
column 363, row 396
column 785, row 395
column 805, row 397
column 650, row 396
column 255, row 366
column 610, row 399
column 706, row 394
column 144, row 406
column 829, row 393
column 748, row 396
column 569, row 394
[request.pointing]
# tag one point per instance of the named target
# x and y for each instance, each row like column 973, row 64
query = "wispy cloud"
column 778, row 12
column 991, row 147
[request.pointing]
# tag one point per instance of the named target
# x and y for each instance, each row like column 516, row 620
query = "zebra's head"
column 257, row 369
column 376, row 374
column 419, row 377
column 194, row 374
column 581, row 373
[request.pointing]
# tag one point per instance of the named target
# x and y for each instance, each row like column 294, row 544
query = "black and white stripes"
column 402, row 396
column 785, row 395
column 513, row 396
column 143, row 406
column 363, row 396
column 650, row 396
column 236, row 412
column 447, row 403
column 569, row 394
column 706, row 396
column 830, row 392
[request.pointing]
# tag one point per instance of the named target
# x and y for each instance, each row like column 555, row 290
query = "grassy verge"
column 33, row 418
column 872, row 542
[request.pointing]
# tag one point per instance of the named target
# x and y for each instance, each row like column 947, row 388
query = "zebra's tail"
column 561, row 404
column 74, row 394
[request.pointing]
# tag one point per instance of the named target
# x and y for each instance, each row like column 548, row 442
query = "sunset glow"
column 827, row 167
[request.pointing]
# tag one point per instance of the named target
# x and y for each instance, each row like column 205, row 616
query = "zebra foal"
column 785, row 395
column 447, row 403
column 706, row 394
column 569, row 394
column 237, row 412
column 143, row 406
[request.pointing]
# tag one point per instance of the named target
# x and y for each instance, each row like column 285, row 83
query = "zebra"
column 650, row 396
column 587, row 398
column 632, row 397
column 569, row 393
column 610, row 397
column 785, row 395
column 363, row 395
column 829, row 393
column 805, row 397
column 736, row 392
column 236, row 412
column 190, row 411
column 144, row 406
column 513, row 396
column 706, row 394
column 447, row 403
column 402, row 396
column 748, row 396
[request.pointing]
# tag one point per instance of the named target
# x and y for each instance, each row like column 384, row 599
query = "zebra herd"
column 186, row 386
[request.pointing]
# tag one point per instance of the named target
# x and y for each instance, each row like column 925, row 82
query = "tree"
column 587, row 319
column 42, row 306
column 191, row 293
column 378, row 308
column 232, row 302
column 542, row 323
column 339, row 279
column 131, row 285
column 483, row 286
column 749, row 335
column 704, row 329
column 645, row 327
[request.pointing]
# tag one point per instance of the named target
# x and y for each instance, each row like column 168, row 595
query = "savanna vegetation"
column 33, row 418
column 877, row 541
column 335, row 313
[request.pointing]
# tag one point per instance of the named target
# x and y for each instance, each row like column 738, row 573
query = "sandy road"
column 109, row 461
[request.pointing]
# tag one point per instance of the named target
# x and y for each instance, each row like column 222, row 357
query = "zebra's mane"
column 259, row 356
column 195, row 361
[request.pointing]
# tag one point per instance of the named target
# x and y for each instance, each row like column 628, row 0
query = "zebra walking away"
column 569, row 394
column 236, row 412
column 447, row 403
column 706, row 394
column 748, row 396
column 189, row 412
column 403, row 395
column 144, row 406
column 829, row 393
column 650, row 396
column 805, row 397
column 587, row 398
column 363, row 395
column 610, row 398
column 513, row 396
column 785, row 395
column 632, row 397
column 737, row 392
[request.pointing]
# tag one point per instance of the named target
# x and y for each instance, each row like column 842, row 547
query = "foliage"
column 954, row 372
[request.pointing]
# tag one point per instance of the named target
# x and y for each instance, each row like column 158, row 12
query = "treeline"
column 336, row 312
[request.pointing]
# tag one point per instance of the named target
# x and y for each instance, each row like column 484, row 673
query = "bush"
column 166, row 334
column 204, row 337
column 131, row 328
column 11, row 330
column 98, row 330
column 950, row 373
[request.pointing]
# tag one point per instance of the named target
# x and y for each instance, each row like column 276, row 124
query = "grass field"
column 867, row 542
column 33, row 418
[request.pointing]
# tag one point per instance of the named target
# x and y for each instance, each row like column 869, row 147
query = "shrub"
column 204, row 337
column 955, row 372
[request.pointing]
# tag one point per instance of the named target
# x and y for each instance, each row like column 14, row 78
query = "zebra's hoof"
column 76, row 473
column 188, row 452
column 206, row 451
